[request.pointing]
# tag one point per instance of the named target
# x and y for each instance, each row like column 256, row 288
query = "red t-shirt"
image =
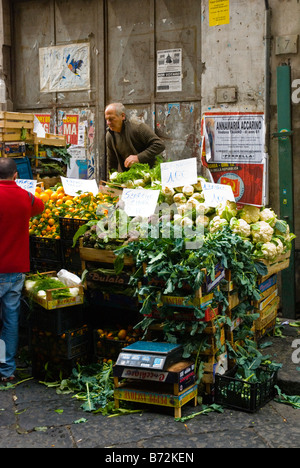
column 17, row 206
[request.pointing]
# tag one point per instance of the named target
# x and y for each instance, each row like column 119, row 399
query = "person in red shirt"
column 17, row 206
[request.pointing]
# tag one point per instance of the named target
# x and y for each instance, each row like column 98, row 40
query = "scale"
column 149, row 355
column 154, row 373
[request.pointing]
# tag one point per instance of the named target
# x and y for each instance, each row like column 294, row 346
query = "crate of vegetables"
column 48, row 291
column 248, row 395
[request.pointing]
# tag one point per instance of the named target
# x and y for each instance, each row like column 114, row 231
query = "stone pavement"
column 29, row 419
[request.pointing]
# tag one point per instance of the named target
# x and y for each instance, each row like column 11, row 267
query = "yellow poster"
column 218, row 12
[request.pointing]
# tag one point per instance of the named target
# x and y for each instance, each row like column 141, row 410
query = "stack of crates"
column 202, row 327
column 59, row 337
column 16, row 129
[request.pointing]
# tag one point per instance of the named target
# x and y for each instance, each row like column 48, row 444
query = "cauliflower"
column 202, row 219
column 279, row 245
column 198, row 196
column 217, row 223
column 268, row 215
column 261, row 232
column 177, row 219
column 240, row 226
column 188, row 190
column 179, row 198
column 269, row 250
column 250, row 214
column 227, row 210
column 198, row 185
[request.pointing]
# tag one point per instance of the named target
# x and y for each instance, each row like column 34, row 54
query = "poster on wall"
column 233, row 150
column 169, row 70
column 79, row 128
column 218, row 12
column 64, row 68
column 45, row 120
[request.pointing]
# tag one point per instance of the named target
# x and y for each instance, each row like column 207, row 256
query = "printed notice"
column 218, row 12
column 234, row 137
column 169, row 70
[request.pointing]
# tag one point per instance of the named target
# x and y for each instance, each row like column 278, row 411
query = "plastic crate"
column 69, row 227
column 57, row 321
column 44, row 248
column 241, row 395
column 48, row 370
column 67, row 346
column 71, row 257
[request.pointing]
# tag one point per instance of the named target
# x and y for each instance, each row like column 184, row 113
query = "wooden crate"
column 280, row 263
column 88, row 254
column 49, row 303
column 11, row 125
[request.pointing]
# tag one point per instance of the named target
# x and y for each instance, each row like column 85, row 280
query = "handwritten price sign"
column 216, row 193
column 140, row 202
column 179, row 173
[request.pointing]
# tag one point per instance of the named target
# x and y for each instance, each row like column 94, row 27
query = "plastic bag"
column 68, row 279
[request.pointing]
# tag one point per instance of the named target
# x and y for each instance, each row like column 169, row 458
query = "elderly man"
column 129, row 142
column 17, row 206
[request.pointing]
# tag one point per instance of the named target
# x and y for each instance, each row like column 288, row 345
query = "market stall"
column 178, row 265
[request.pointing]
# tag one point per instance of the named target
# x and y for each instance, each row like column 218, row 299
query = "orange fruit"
column 44, row 197
column 51, row 222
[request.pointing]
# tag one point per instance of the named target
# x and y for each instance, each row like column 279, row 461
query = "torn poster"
column 64, row 68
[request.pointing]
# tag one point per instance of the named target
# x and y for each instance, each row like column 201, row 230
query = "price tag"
column 27, row 184
column 215, row 194
column 140, row 202
column 179, row 173
column 73, row 186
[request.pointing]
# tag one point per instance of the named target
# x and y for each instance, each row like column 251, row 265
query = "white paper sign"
column 179, row 173
column 27, row 184
column 215, row 194
column 73, row 186
column 140, row 202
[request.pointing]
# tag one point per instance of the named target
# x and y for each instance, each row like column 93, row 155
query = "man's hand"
column 132, row 159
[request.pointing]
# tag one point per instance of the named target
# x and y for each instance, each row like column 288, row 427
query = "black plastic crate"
column 67, row 345
column 69, row 226
column 45, row 248
column 242, row 395
column 58, row 321
column 46, row 369
column 71, row 257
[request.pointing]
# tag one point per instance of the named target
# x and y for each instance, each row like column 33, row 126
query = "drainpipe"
column 267, row 74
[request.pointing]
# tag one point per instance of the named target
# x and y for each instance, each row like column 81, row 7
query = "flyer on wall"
column 233, row 149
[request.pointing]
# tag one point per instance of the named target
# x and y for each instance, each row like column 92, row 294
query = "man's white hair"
column 118, row 106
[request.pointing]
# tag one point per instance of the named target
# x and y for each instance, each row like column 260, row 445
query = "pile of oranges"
column 59, row 204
